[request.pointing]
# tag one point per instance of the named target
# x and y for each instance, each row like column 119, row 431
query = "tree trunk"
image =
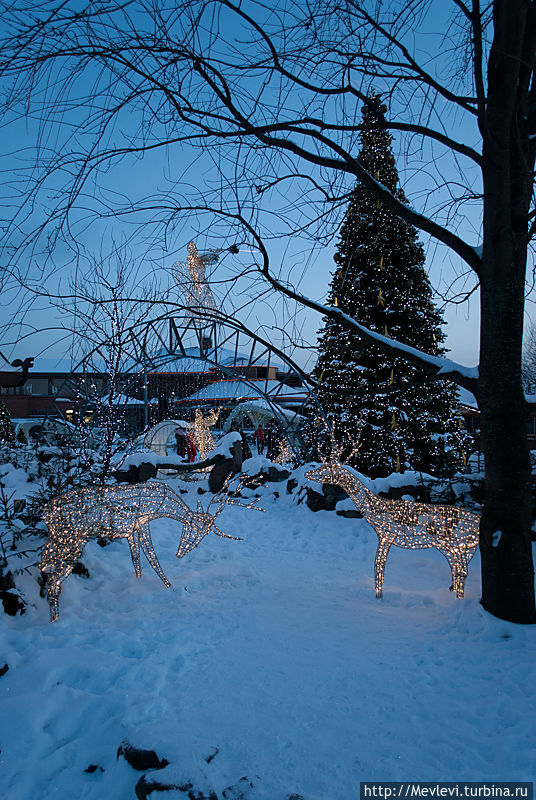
column 505, row 541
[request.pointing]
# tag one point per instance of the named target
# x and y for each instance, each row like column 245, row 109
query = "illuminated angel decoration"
column 200, row 429
column 118, row 512
column 193, row 281
column 451, row 530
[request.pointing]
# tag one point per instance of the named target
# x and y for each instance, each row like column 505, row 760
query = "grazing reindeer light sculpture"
column 116, row 512
column 451, row 530
column 200, row 523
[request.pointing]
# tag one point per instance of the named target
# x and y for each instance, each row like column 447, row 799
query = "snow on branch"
column 442, row 367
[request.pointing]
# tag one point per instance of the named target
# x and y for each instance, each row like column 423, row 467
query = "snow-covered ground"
column 270, row 654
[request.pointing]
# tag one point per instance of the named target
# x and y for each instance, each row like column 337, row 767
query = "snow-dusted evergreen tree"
column 7, row 431
column 411, row 421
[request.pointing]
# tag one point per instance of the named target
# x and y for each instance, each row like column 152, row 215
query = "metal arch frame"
column 199, row 324
column 171, row 333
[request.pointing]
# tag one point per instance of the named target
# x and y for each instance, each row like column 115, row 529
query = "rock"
column 420, row 493
column 145, row 787
column 351, row 513
column 327, row 500
column 80, row 569
column 239, row 790
column 146, row 471
column 136, row 473
column 10, row 596
column 4, row 669
column 129, row 475
column 276, row 475
column 219, row 474
column 225, row 467
column 140, row 759
column 291, row 485
column 295, row 796
column 93, row 768
column 315, row 500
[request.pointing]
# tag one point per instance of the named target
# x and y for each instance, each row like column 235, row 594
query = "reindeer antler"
column 226, row 500
column 335, row 458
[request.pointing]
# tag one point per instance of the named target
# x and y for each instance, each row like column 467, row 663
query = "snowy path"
column 275, row 652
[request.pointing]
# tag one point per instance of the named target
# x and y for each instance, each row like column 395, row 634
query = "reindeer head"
column 199, row 523
column 330, row 471
column 60, row 554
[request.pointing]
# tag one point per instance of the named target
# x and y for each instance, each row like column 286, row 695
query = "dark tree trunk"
column 505, row 541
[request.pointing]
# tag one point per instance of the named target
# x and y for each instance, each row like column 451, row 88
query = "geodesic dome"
column 158, row 436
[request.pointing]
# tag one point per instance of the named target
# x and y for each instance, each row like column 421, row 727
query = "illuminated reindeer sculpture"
column 120, row 512
column 451, row 530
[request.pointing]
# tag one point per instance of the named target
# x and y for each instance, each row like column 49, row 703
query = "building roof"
column 466, row 398
column 236, row 389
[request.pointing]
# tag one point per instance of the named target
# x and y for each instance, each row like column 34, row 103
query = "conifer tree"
column 411, row 421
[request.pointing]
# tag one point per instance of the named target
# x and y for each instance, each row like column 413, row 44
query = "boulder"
column 327, row 500
column 139, row 758
column 224, row 467
column 10, row 596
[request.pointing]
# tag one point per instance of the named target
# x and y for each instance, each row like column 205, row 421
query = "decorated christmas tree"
column 411, row 420
column 7, row 431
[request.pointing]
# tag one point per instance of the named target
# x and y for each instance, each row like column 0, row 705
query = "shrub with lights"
column 7, row 431
column 412, row 420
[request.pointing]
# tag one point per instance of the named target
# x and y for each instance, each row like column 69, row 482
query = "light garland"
column 415, row 526
column 285, row 454
column 202, row 435
column 200, row 523
column 118, row 512
column 198, row 294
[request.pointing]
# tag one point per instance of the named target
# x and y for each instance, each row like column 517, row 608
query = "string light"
column 201, row 523
column 415, row 526
column 379, row 276
column 285, row 454
column 118, row 512
column 202, row 435
column 197, row 290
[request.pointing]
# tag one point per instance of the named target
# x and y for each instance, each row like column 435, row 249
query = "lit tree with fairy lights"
column 411, row 421
column 7, row 431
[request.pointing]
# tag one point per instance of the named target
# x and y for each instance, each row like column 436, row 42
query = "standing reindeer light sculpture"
column 116, row 512
column 451, row 530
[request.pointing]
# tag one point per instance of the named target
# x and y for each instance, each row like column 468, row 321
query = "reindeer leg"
column 384, row 545
column 147, row 547
column 461, row 573
column 53, row 596
column 458, row 571
column 134, row 544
